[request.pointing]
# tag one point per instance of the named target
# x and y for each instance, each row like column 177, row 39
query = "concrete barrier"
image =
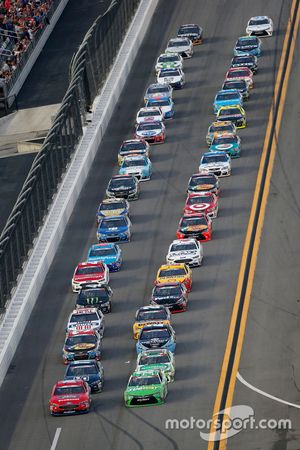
column 46, row 244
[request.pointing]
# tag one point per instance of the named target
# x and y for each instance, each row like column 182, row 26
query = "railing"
column 88, row 71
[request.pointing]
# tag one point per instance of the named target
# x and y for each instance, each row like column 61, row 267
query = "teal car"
column 110, row 254
column 229, row 143
column 162, row 360
column 137, row 165
column 227, row 97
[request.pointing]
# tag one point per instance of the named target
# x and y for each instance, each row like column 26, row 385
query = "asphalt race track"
column 202, row 331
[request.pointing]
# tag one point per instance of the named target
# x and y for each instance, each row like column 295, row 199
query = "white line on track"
column 55, row 440
column 265, row 394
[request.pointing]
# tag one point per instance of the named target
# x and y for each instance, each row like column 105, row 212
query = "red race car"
column 206, row 203
column 197, row 226
column 70, row 397
column 240, row 73
column 96, row 274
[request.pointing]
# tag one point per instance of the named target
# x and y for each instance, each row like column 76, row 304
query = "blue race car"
column 137, row 165
column 156, row 336
column 229, row 143
column 247, row 45
column 110, row 254
column 227, row 97
column 90, row 371
column 114, row 229
column 165, row 104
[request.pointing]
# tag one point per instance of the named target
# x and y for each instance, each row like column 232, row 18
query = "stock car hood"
column 105, row 259
column 140, row 325
column 169, row 65
column 144, row 390
column 89, row 277
column 199, row 227
column 183, row 253
column 178, row 49
column 133, row 169
column 173, row 279
column 220, row 103
column 246, row 48
column 112, row 230
column 231, row 116
column 262, row 27
column 214, row 165
column 224, row 147
column 112, row 212
column 155, row 342
column 79, row 347
column 147, row 133
column 68, row 399
column 203, row 187
column 88, row 378
column 199, row 207
column 164, row 367
column 170, row 79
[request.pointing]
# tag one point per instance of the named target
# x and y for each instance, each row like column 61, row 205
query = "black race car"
column 171, row 295
column 249, row 61
column 240, row 85
column 123, row 186
column 200, row 182
column 191, row 31
column 95, row 298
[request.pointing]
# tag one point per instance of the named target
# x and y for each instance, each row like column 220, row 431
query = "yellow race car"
column 234, row 113
column 149, row 315
column 175, row 272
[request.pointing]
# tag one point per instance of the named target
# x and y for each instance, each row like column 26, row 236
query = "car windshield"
column 134, row 162
column 163, row 333
column 258, row 22
column 216, row 128
column 84, row 317
column 125, row 183
column 151, row 315
column 69, row 390
column 165, row 102
column 214, row 159
column 164, row 273
column 144, row 381
column 239, row 85
column 169, row 73
column 158, row 89
column 81, row 371
column 229, row 112
column 146, row 360
column 167, row 291
column 246, row 42
column 129, row 146
column 81, row 339
column 112, row 206
column 199, row 199
column 183, row 247
column 188, row 30
column 89, row 270
column 229, row 96
column 242, row 60
column 90, row 297
column 148, row 126
column 168, row 58
column 202, row 180
column 238, row 73
column 150, row 113
column 225, row 140
column 178, row 43
column 195, row 221
column 114, row 223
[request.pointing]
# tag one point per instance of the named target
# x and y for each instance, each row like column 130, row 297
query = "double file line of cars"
column 154, row 334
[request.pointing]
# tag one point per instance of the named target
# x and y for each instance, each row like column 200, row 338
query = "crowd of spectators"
column 19, row 21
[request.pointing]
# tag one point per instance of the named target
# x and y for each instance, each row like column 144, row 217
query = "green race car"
column 146, row 388
column 162, row 360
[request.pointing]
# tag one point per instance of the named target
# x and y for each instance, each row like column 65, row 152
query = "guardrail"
column 88, row 71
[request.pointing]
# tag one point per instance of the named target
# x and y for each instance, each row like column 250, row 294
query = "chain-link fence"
column 88, row 70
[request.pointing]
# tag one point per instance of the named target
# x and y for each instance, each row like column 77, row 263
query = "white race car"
column 169, row 61
column 218, row 163
column 149, row 114
column 137, row 165
column 260, row 26
column 173, row 77
column 188, row 251
column 152, row 132
column 183, row 46
column 165, row 104
column 83, row 319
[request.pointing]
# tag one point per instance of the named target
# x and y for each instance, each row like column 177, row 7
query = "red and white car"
column 240, row 73
column 206, row 203
column 84, row 319
column 91, row 273
column 197, row 226
column 70, row 397
column 149, row 114
column 151, row 132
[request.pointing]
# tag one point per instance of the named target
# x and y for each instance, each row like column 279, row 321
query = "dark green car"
column 146, row 388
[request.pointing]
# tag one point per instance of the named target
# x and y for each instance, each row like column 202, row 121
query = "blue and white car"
column 173, row 77
column 260, row 26
column 156, row 336
column 157, row 90
column 137, row 165
column 151, row 132
column 247, row 45
column 114, row 229
column 227, row 97
column 90, row 371
column 110, row 254
column 218, row 163
column 165, row 104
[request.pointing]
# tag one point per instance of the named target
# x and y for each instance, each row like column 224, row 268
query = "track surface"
column 202, row 331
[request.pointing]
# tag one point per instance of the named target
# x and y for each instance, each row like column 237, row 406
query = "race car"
column 162, row 360
column 229, row 143
column 239, row 85
column 206, row 203
column 169, row 61
column 148, row 315
column 82, row 345
column 153, row 114
column 218, row 163
column 249, row 61
column 152, row 132
column 170, row 273
column 240, row 73
column 173, row 77
column 187, row 251
column 93, row 273
column 70, row 397
column 90, row 371
column 227, row 98
column 170, row 295
column 183, row 46
column 114, row 229
column 137, row 165
column 247, row 45
column 219, row 128
column 91, row 297
column 84, row 319
column 157, row 90
column 236, row 114
column 133, row 146
column 192, row 31
column 156, row 336
column 110, row 254
column 201, row 182
column 123, row 186
column 260, row 26
column 197, row 226
column 146, row 388
column 112, row 207
column 165, row 104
